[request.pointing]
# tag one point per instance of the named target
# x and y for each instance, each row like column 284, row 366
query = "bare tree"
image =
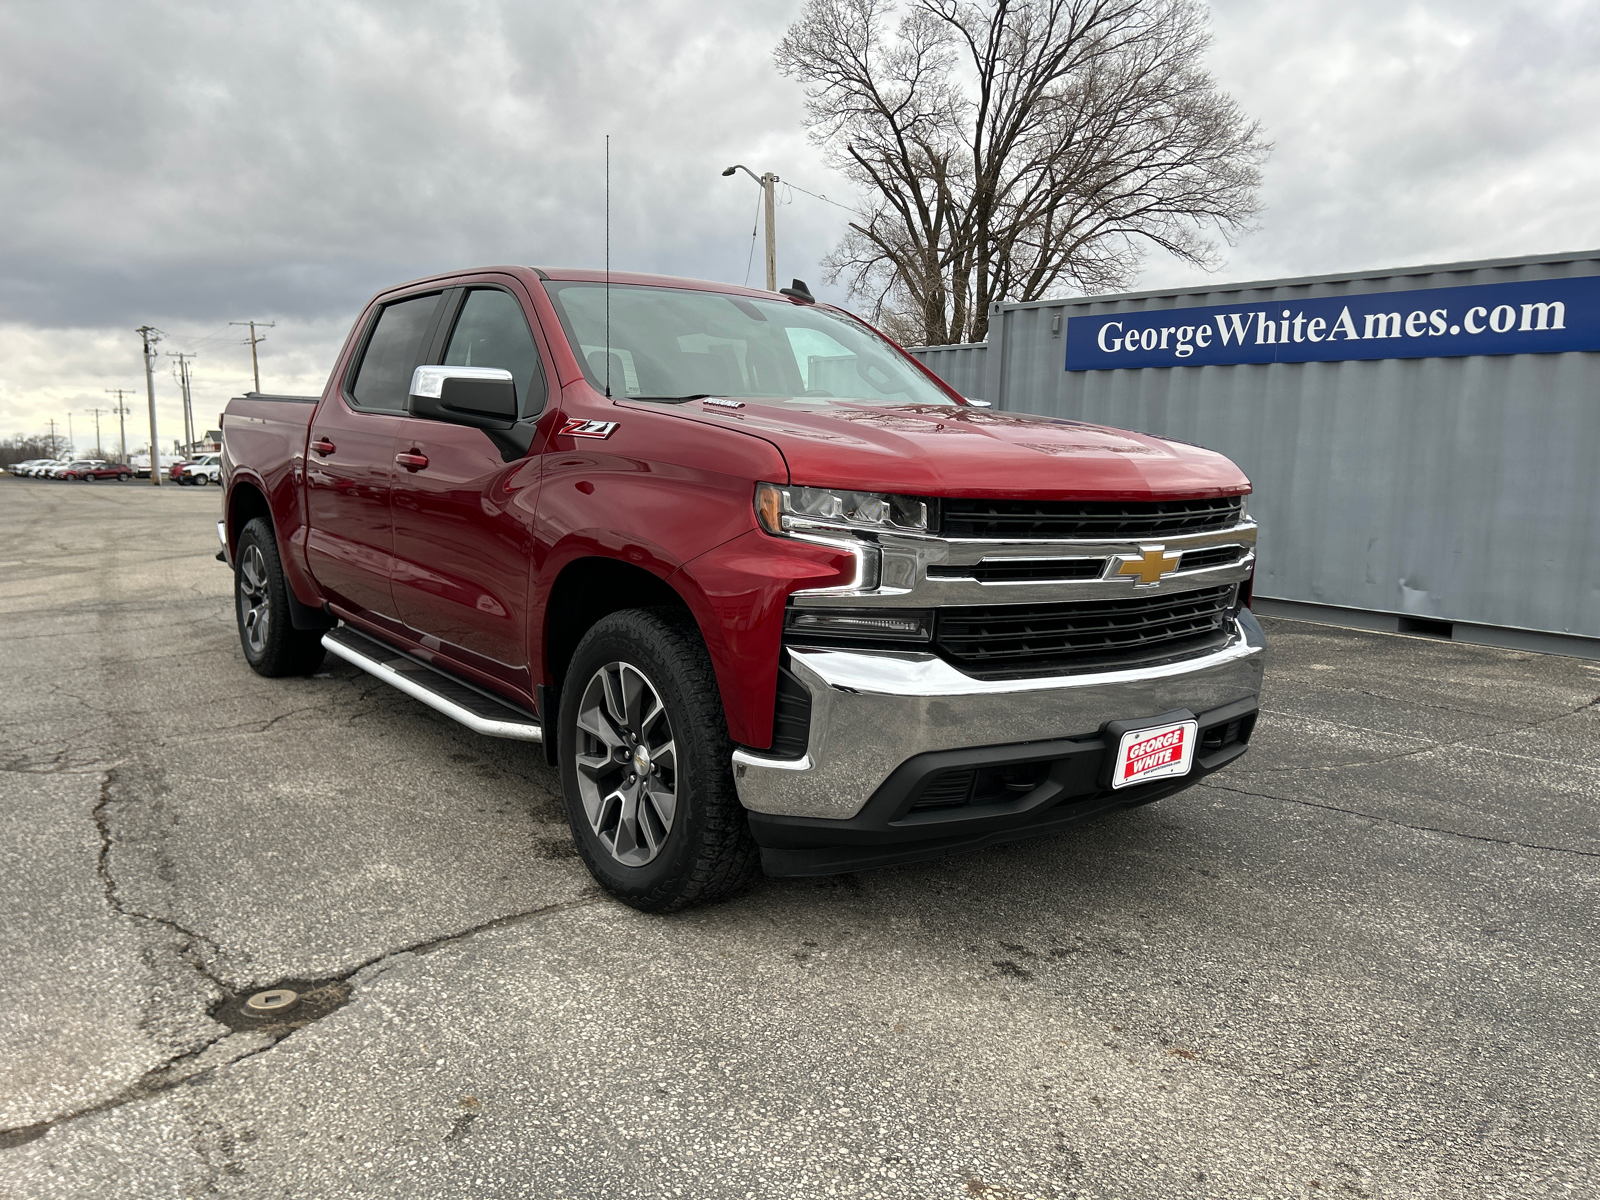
column 1016, row 148
column 25, row 446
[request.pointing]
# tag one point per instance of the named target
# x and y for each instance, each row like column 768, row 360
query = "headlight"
column 783, row 509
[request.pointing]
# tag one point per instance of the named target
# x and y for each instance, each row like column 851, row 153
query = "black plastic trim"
column 305, row 618
column 546, row 697
column 889, row 830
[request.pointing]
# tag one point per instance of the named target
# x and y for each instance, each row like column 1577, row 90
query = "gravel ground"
column 1359, row 962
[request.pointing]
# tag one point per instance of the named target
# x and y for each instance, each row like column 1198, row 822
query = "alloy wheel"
column 627, row 763
column 255, row 600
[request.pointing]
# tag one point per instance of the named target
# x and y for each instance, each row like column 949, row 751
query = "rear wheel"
column 645, row 765
column 124, row 477
column 199, row 481
column 272, row 645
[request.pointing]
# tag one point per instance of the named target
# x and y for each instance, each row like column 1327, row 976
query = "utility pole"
column 54, row 449
column 252, row 341
column 122, row 410
column 96, row 412
column 151, row 336
column 72, row 442
column 182, row 368
column 768, row 182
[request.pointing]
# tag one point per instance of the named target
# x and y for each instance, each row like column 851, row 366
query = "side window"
column 492, row 332
column 384, row 380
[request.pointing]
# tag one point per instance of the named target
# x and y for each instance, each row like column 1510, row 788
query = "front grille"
column 949, row 789
column 1068, row 520
column 1210, row 556
column 1037, row 638
column 1219, row 737
column 961, row 787
column 1024, row 570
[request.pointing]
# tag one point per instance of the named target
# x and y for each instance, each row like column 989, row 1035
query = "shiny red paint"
column 420, row 532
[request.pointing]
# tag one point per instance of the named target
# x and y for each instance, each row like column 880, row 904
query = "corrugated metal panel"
column 959, row 366
column 1460, row 489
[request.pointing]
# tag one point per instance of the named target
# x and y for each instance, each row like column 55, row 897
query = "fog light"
column 891, row 624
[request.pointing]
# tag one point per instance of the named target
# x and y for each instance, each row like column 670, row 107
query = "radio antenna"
column 608, row 266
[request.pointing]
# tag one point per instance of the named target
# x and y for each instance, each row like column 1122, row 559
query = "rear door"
column 350, row 460
column 464, row 500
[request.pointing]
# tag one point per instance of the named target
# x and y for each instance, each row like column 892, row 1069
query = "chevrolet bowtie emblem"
column 1150, row 565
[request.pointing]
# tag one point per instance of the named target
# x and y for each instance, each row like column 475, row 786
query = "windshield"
column 673, row 343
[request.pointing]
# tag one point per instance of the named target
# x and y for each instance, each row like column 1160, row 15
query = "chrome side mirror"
column 480, row 397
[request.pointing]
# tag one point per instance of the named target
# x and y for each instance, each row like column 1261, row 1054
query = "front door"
column 350, row 462
column 464, row 504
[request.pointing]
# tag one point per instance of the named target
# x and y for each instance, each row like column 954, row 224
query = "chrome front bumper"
column 872, row 710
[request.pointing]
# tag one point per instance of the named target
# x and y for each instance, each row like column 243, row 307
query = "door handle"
column 412, row 462
column 323, row 446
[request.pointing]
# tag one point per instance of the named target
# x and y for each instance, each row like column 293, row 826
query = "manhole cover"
column 271, row 1002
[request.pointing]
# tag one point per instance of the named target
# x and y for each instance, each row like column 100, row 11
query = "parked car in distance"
column 201, row 470
column 77, row 469
column 105, row 470
column 26, row 466
column 176, row 473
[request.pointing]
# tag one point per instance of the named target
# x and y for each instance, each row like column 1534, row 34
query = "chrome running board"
column 478, row 710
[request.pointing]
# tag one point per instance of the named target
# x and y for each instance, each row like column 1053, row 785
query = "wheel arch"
column 588, row 589
column 246, row 502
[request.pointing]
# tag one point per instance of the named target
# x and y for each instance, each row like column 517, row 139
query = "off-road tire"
column 283, row 649
column 708, row 853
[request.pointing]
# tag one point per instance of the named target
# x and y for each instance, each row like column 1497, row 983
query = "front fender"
column 737, row 592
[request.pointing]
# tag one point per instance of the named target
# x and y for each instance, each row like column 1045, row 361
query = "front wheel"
column 272, row 645
column 199, row 481
column 124, row 477
column 646, row 765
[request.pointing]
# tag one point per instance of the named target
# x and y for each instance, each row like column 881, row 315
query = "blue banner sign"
column 1543, row 316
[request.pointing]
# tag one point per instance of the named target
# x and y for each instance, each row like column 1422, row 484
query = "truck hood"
column 939, row 451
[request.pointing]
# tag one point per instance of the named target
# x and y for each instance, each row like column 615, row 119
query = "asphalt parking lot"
column 1361, row 962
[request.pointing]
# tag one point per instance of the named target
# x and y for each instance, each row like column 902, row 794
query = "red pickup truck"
column 771, row 595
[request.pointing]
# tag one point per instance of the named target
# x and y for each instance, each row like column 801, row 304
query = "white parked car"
column 201, row 470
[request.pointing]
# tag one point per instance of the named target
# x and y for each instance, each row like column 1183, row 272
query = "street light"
column 766, row 181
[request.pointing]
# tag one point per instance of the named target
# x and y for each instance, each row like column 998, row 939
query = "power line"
column 755, row 223
column 824, row 199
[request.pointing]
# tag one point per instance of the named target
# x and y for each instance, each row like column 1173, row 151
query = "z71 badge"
column 578, row 427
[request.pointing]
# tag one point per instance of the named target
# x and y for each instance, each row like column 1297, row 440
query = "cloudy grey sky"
column 185, row 165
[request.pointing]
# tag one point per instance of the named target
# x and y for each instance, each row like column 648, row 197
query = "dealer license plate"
column 1155, row 752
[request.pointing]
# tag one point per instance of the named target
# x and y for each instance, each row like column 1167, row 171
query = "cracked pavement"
column 1359, row 962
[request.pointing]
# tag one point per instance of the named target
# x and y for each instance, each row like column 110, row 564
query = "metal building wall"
column 959, row 366
column 1455, row 489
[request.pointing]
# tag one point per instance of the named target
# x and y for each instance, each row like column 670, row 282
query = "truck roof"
column 590, row 275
